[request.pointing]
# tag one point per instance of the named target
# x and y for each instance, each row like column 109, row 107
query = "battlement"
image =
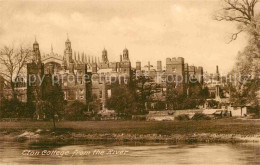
column 192, row 68
column 178, row 60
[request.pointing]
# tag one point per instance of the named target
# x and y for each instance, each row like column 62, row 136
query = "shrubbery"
column 182, row 117
column 14, row 109
column 200, row 116
column 75, row 111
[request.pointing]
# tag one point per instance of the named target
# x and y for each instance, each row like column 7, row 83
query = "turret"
column 104, row 56
column 68, row 52
column 36, row 52
column 125, row 55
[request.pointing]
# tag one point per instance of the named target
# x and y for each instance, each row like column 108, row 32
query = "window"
column 100, row 94
column 81, row 91
column 109, row 93
column 65, row 95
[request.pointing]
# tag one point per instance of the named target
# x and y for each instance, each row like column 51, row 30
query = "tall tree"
column 244, row 82
column 13, row 64
column 144, row 90
column 242, row 12
column 53, row 101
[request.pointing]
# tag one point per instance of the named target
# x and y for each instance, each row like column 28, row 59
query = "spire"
column 75, row 56
column 68, row 40
column 92, row 59
column 78, row 57
column 95, row 59
column 36, row 51
column 82, row 57
column 35, row 40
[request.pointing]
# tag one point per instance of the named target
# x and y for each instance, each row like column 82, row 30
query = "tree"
column 122, row 100
column 244, row 82
column 75, row 111
column 13, row 62
column 144, row 89
column 178, row 99
column 241, row 12
column 53, row 102
column 13, row 108
column 94, row 104
column 173, row 96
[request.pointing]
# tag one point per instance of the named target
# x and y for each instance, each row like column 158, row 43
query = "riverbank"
column 222, row 130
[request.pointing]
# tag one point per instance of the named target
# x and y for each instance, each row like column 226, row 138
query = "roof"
column 104, row 70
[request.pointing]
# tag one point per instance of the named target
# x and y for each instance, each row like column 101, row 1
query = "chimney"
column 159, row 65
column 217, row 73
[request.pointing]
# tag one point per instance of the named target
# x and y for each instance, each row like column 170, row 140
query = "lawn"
column 220, row 126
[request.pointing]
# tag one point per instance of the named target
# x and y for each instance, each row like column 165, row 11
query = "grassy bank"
column 207, row 130
column 221, row 126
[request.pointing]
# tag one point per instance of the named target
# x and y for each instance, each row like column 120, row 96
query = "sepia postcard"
column 129, row 82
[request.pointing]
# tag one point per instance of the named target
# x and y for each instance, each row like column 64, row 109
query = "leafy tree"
column 13, row 108
column 53, row 102
column 93, row 104
column 144, row 89
column 174, row 96
column 75, row 111
column 122, row 100
column 178, row 99
column 244, row 84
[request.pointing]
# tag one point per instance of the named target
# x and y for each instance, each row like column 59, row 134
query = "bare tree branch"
column 240, row 11
column 13, row 61
column 234, row 35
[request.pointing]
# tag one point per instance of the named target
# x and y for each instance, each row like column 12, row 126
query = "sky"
column 150, row 29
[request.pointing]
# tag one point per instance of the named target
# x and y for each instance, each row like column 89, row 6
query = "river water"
column 132, row 153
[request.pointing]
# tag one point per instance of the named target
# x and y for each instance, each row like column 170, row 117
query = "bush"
column 75, row 111
column 200, row 116
column 13, row 109
column 182, row 117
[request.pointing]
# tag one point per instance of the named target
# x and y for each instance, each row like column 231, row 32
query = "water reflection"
column 137, row 153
